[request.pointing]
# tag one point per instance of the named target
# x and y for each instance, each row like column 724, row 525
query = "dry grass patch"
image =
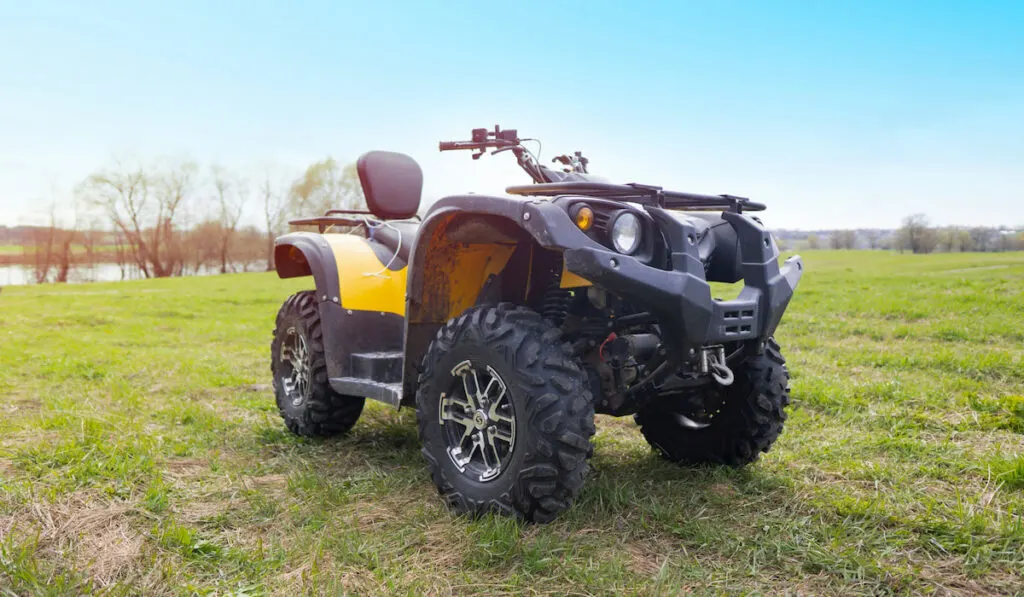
column 648, row 558
column 982, row 444
column 103, row 537
column 184, row 469
column 273, row 486
column 206, row 508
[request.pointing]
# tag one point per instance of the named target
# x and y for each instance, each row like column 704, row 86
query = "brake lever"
column 501, row 149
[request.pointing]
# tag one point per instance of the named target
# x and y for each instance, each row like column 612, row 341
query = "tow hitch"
column 712, row 362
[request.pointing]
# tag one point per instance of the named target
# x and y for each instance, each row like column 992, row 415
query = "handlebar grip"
column 448, row 145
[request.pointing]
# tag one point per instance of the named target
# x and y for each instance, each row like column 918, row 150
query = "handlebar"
column 500, row 140
column 483, row 139
column 481, row 145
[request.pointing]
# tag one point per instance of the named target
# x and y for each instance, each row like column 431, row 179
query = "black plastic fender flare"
column 318, row 261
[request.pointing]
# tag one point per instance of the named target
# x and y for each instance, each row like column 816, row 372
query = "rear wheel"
column 305, row 399
column 723, row 425
column 504, row 414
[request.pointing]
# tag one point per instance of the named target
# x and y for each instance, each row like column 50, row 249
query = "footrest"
column 379, row 367
column 390, row 393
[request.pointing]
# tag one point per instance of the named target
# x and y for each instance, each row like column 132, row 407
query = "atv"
column 509, row 321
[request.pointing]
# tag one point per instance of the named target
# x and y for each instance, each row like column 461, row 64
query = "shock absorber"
column 556, row 304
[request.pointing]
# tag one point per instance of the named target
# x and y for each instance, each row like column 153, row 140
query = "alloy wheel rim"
column 478, row 422
column 295, row 357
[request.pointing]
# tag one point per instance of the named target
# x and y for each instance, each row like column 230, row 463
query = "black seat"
column 392, row 184
column 396, row 236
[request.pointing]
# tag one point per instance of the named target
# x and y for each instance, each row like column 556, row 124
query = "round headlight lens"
column 626, row 233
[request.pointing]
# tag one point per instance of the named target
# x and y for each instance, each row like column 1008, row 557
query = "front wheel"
column 504, row 414
column 723, row 425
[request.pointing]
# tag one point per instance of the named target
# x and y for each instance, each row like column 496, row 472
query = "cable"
column 600, row 349
column 536, row 173
column 398, row 248
column 540, row 148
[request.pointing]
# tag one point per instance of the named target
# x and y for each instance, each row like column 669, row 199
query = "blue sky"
column 837, row 114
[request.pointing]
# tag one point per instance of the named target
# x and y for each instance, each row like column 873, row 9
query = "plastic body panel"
column 362, row 309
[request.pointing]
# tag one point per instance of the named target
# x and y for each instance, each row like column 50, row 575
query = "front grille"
column 738, row 320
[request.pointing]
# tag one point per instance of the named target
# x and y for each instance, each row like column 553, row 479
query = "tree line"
column 173, row 218
column 915, row 235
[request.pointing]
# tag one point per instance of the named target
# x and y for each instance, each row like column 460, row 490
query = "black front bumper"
column 681, row 297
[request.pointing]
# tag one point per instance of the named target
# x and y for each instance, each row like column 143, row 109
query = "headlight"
column 626, row 233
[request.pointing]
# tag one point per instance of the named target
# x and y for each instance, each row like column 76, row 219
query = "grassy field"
column 140, row 452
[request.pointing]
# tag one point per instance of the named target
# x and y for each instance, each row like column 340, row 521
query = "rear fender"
column 346, row 269
column 361, row 302
column 306, row 254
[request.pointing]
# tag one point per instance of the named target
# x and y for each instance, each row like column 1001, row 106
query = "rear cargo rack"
column 340, row 217
column 639, row 193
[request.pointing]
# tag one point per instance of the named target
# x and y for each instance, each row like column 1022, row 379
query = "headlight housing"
column 626, row 233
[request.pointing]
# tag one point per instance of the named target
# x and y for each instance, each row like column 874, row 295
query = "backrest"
column 392, row 184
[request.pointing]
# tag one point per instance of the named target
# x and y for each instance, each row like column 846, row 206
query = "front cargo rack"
column 639, row 193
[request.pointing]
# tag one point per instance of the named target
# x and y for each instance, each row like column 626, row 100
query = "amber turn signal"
column 584, row 218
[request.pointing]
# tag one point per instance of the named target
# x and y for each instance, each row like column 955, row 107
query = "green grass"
column 141, row 453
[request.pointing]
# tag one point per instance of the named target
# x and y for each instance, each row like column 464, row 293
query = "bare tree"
column 843, row 239
column 173, row 187
column 275, row 202
column 123, row 193
column 916, row 235
column 89, row 236
column 813, row 242
column 249, row 247
column 143, row 208
column 874, row 238
column 983, row 239
column 953, row 239
column 232, row 194
column 65, row 252
column 41, row 248
column 121, row 253
column 945, row 239
column 204, row 243
column 963, row 240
